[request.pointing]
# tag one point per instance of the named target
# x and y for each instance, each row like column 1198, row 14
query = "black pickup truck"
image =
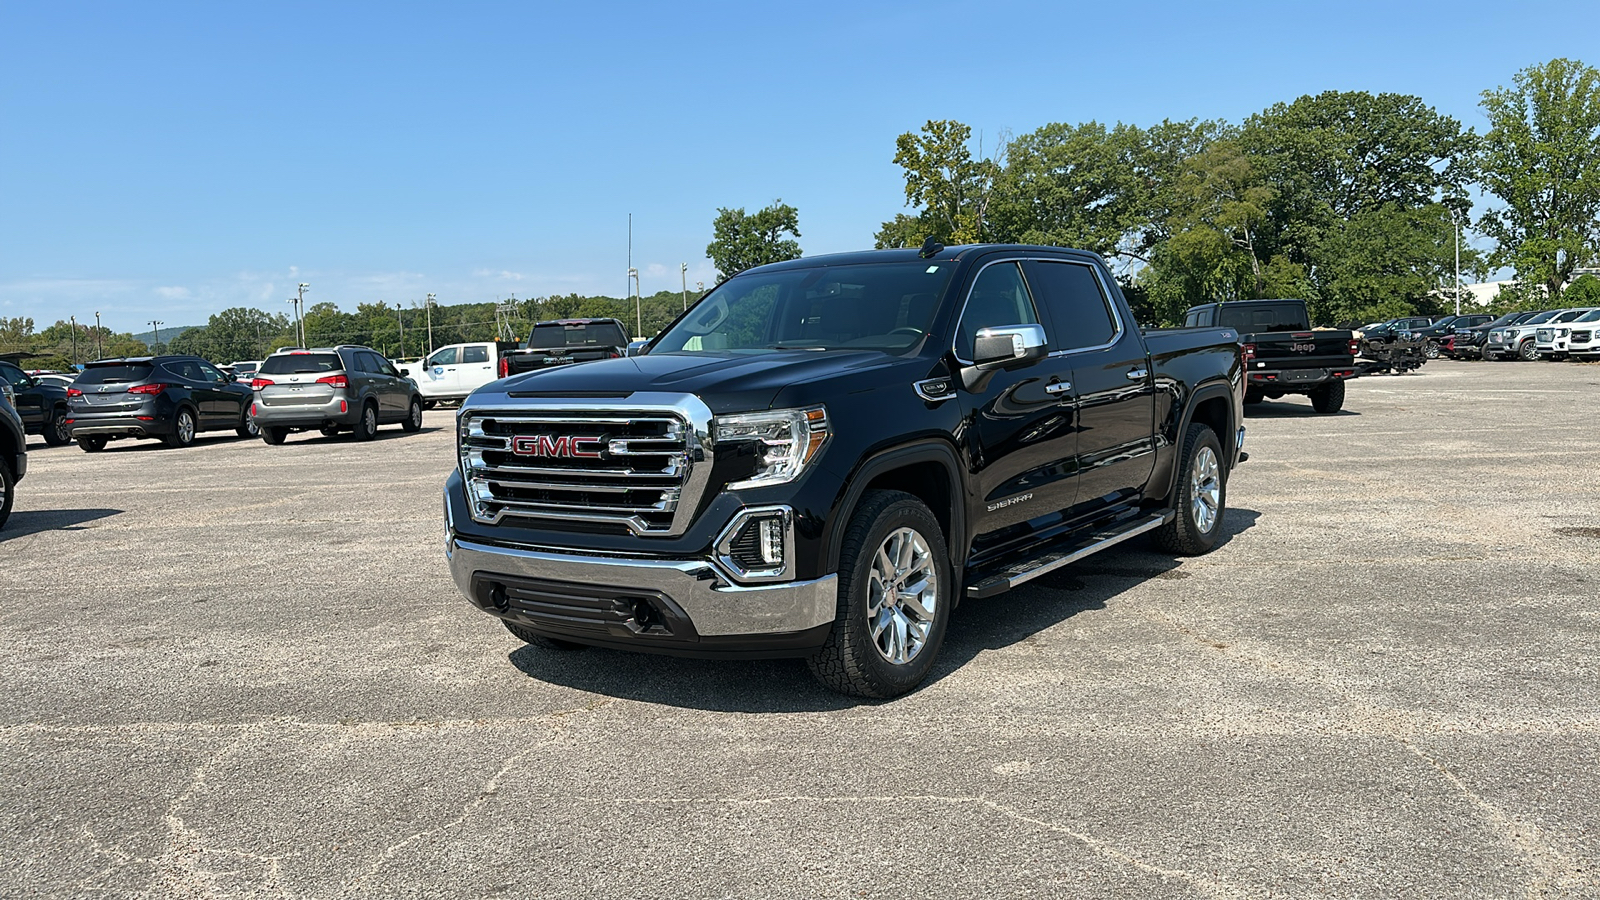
column 825, row 455
column 1282, row 353
column 562, row 342
column 13, row 455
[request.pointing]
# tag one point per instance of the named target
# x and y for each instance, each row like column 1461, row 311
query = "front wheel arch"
column 879, row 472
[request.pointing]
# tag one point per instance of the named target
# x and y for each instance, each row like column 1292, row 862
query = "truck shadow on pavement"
column 23, row 524
column 784, row 685
column 1288, row 409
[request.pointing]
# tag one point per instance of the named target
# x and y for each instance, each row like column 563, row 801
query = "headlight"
column 1563, row 332
column 786, row 441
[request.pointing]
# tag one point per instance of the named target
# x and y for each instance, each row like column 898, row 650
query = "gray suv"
column 332, row 389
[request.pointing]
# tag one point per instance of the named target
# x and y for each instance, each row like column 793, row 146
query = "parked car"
column 1517, row 341
column 332, row 389
column 453, row 372
column 244, row 371
column 1583, row 341
column 42, row 404
column 13, row 455
column 1282, row 353
column 566, row 341
column 55, row 378
column 1550, row 340
column 1445, row 328
column 172, row 398
column 824, row 454
column 1467, row 343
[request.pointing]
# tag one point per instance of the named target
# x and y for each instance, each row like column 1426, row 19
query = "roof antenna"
column 930, row 248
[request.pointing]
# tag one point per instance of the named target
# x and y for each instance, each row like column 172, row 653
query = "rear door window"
column 302, row 364
column 122, row 373
column 372, row 362
column 1079, row 314
column 477, row 353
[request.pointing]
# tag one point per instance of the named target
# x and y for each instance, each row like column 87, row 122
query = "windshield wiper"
column 787, row 347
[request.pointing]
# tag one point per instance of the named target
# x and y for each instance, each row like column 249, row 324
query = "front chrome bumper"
column 715, row 605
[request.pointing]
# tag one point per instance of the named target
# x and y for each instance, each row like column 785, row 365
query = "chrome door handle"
column 1058, row 387
column 1138, row 374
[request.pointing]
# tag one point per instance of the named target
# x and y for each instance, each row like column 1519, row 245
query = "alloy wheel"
column 63, row 433
column 185, row 427
column 1205, row 490
column 902, row 596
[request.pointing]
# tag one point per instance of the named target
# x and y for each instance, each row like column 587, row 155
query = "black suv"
column 168, row 397
column 13, row 455
column 42, row 405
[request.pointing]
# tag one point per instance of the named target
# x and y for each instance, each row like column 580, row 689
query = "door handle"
column 1058, row 387
column 1138, row 374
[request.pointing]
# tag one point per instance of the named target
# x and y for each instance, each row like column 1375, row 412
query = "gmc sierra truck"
column 1282, row 353
column 566, row 341
column 823, row 456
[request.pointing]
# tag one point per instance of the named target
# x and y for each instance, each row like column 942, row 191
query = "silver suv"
column 332, row 389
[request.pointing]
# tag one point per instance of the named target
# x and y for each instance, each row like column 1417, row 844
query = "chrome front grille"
column 642, row 469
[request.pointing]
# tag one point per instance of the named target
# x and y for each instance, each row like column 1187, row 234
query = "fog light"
column 771, row 541
column 757, row 544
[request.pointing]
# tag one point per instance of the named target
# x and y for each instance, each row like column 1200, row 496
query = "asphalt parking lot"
column 240, row 670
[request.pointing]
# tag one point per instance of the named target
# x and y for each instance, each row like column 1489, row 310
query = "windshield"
column 1592, row 315
column 1569, row 315
column 119, row 373
column 874, row 306
column 554, row 335
column 301, row 364
column 1541, row 318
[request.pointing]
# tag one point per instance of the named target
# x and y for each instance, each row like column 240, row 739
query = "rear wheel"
column 1329, row 398
column 429, row 404
column 329, row 430
column 529, row 636
column 247, row 426
column 183, row 428
column 367, row 425
column 7, row 486
column 1202, row 496
column 56, row 431
column 896, row 587
column 274, row 434
column 413, row 421
column 92, row 443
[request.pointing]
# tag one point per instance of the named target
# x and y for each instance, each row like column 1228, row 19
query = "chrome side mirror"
column 1009, row 345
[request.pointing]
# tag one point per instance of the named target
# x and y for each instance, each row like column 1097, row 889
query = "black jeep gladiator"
column 566, row 341
column 13, row 455
column 1282, row 353
column 823, row 456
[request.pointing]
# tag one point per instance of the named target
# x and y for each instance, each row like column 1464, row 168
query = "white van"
column 453, row 372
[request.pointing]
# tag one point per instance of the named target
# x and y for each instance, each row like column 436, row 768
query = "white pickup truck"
column 453, row 372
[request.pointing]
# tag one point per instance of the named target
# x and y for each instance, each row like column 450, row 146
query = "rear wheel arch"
column 1212, row 405
column 924, row 470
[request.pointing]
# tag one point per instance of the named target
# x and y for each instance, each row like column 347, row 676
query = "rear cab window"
column 550, row 337
column 1264, row 318
column 121, row 373
column 302, row 364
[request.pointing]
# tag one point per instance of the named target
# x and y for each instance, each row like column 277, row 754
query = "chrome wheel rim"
column 1205, row 490
column 185, row 427
column 902, row 596
column 63, row 433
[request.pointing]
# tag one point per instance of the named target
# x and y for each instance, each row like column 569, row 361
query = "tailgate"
column 1302, row 349
column 532, row 360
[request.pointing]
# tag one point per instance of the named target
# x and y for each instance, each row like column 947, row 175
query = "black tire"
column 1486, row 355
column 429, row 404
column 1253, row 395
column 851, row 661
column 1329, row 398
column 413, row 419
column 8, row 491
column 534, row 638
column 92, row 443
column 1186, row 535
column 247, row 426
column 367, row 425
column 329, row 430
column 184, row 427
column 274, row 434
column 56, row 432
column 1528, row 351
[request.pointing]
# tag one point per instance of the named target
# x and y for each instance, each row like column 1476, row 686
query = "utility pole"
column 300, row 310
column 1457, row 223
column 429, row 306
column 74, row 320
column 638, row 304
column 683, row 270
column 630, row 249
column 156, row 324
column 402, row 320
column 99, row 353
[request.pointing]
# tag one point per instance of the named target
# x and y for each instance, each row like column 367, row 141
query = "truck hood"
column 726, row 382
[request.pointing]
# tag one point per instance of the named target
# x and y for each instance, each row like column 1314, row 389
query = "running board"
column 1022, row 572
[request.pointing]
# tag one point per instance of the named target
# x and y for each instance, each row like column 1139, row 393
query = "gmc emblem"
column 564, row 446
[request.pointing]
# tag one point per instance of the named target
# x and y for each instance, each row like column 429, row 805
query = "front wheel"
column 7, row 486
column 896, row 587
column 1329, row 398
column 1202, row 496
column 1528, row 352
column 413, row 421
column 1430, row 350
column 57, row 433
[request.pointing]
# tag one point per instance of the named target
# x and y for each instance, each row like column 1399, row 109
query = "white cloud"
column 173, row 293
column 501, row 275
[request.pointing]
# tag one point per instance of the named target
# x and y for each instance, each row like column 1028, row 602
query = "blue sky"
column 165, row 160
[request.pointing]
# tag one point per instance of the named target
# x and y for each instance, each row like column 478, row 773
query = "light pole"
column 300, row 310
column 402, row 320
column 98, row 352
column 156, row 324
column 429, row 306
column 1457, row 222
column 683, row 270
column 638, row 304
column 74, row 320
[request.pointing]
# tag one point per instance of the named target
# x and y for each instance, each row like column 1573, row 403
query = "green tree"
column 1069, row 186
column 742, row 241
column 950, row 187
column 1541, row 158
column 16, row 334
column 1585, row 291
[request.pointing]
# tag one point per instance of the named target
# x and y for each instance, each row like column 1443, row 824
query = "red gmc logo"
column 565, row 446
